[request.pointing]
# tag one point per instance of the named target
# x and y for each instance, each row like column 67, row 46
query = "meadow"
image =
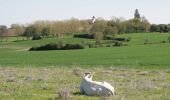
column 137, row 71
column 136, row 54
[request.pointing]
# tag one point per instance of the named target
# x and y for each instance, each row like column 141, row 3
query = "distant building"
column 93, row 19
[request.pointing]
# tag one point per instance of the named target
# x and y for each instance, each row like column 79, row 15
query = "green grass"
column 136, row 71
column 48, row 83
column 139, row 38
column 135, row 55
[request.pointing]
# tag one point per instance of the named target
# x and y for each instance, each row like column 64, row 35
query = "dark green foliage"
column 54, row 46
column 108, row 37
column 36, row 37
column 108, row 45
column 3, row 31
column 72, row 46
column 163, row 41
column 86, row 36
column 50, row 46
column 117, row 39
column 90, row 45
column 137, row 15
column 162, row 28
column 121, row 39
column 45, row 32
column 117, row 43
column 135, row 25
column 30, row 32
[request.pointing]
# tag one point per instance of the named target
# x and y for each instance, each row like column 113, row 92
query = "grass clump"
column 65, row 94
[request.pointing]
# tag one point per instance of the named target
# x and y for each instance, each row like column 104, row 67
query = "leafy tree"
column 84, row 26
column 98, row 26
column 136, row 15
column 98, row 37
column 30, row 31
column 45, row 32
column 118, row 23
column 145, row 24
column 110, row 31
column 3, row 31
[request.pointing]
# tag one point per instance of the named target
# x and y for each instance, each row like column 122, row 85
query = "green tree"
column 30, row 31
column 45, row 32
column 118, row 23
column 98, row 26
column 3, row 32
column 110, row 31
column 136, row 14
column 98, row 37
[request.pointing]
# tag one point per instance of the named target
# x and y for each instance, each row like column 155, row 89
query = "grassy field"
column 137, row 71
column 135, row 55
column 63, row 83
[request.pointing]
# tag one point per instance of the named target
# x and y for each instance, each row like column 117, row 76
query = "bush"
column 72, row 46
column 122, row 39
column 108, row 45
column 108, row 37
column 118, row 44
column 87, row 36
column 163, row 41
column 117, row 39
column 36, row 38
column 54, row 46
column 91, row 45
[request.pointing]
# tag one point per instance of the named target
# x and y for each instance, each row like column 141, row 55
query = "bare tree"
column 18, row 29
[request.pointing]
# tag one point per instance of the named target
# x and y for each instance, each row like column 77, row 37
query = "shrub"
column 108, row 45
column 87, row 36
column 163, row 41
column 54, row 46
column 91, row 45
column 118, row 43
column 122, row 39
column 72, row 46
column 146, row 41
column 117, row 39
column 36, row 38
column 108, row 37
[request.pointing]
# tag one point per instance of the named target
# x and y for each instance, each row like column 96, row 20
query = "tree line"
column 100, row 28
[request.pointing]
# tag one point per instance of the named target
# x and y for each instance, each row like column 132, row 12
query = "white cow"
column 94, row 88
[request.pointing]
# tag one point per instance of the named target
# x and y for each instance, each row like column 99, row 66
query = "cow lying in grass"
column 94, row 88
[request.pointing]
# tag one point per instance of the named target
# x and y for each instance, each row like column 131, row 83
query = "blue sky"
column 27, row 11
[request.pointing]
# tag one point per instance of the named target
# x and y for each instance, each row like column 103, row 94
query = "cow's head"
column 88, row 75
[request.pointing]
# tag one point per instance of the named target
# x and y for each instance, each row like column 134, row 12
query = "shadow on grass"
column 77, row 93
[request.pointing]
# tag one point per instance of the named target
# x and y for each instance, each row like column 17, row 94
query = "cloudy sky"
column 27, row 11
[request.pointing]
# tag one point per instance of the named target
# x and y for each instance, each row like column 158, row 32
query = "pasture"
column 136, row 54
column 137, row 71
